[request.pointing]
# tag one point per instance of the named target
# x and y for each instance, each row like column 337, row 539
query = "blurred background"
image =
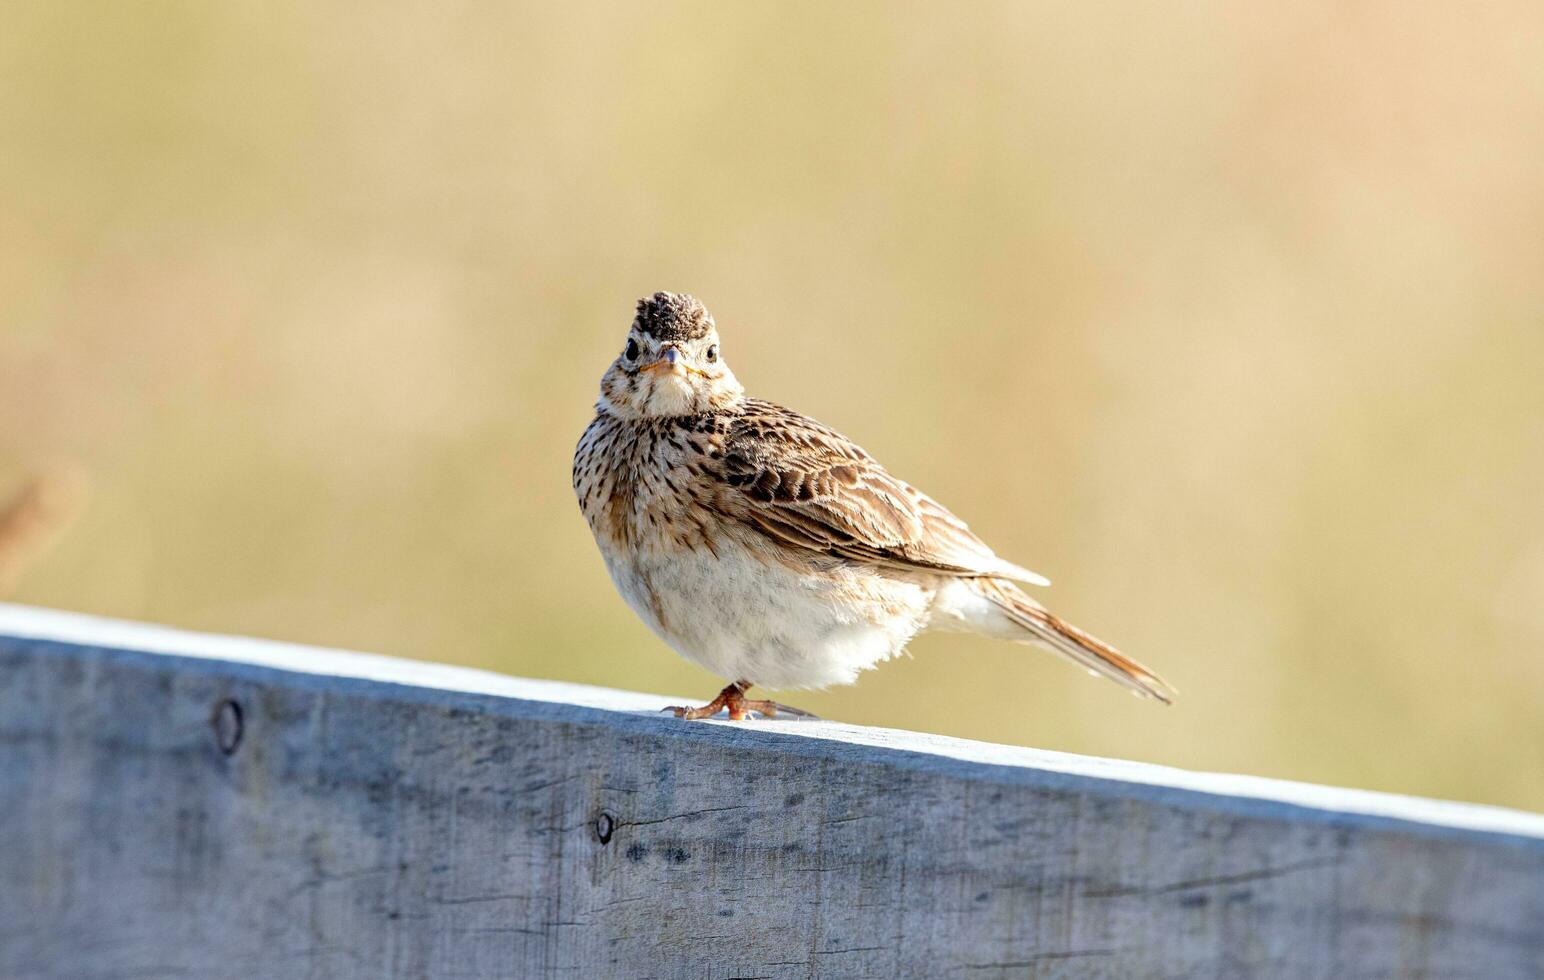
column 1228, row 319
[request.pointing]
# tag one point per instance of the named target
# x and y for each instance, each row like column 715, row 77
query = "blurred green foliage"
column 1228, row 319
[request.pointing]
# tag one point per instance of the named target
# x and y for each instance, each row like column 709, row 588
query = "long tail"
column 1094, row 655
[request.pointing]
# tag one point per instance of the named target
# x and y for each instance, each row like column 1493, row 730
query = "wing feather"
column 807, row 486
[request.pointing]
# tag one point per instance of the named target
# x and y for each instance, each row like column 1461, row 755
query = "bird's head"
column 670, row 364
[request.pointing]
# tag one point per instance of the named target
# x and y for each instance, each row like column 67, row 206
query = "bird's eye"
column 712, row 353
column 632, row 350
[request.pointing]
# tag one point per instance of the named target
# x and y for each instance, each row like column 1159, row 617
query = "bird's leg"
column 731, row 694
column 767, row 709
column 733, row 697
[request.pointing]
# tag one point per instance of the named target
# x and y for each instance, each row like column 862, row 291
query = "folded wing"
column 807, row 486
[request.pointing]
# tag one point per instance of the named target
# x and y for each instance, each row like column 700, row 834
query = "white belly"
column 759, row 621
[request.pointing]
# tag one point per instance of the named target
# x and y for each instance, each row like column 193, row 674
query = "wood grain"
column 369, row 818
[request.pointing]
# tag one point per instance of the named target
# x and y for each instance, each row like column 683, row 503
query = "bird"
column 770, row 549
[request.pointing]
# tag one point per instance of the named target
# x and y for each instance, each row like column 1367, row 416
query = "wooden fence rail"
column 175, row 805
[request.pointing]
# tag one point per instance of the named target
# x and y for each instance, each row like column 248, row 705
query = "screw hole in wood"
column 228, row 726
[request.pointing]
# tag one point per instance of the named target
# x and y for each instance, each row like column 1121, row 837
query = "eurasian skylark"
column 771, row 550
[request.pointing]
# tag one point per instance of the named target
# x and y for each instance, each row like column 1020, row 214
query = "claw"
column 733, row 698
column 796, row 712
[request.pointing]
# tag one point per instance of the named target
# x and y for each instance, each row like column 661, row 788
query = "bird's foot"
column 739, row 706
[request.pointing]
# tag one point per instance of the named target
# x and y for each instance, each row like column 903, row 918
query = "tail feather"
column 1046, row 629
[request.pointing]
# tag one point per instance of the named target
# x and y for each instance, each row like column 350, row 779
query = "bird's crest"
column 673, row 316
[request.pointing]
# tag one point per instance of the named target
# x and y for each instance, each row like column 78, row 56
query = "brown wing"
column 807, row 486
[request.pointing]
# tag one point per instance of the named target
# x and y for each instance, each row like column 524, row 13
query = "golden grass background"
column 1228, row 319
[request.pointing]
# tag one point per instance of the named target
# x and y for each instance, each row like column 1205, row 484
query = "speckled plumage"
column 769, row 548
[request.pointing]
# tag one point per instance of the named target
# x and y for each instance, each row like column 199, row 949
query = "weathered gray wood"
column 378, row 818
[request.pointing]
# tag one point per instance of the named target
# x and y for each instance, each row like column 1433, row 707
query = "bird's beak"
column 670, row 361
